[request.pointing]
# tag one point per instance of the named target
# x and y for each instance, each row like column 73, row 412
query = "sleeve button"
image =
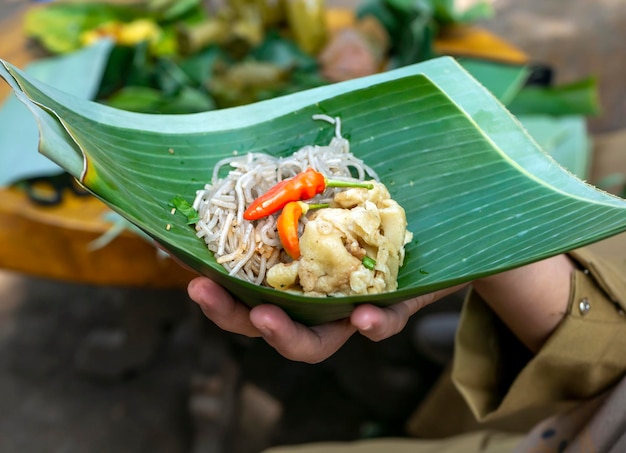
column 584, row 306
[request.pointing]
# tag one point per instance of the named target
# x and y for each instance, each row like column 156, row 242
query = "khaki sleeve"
column 584, row 356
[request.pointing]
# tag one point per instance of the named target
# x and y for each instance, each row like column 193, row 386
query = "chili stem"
column 316, row 206
column 338, row 183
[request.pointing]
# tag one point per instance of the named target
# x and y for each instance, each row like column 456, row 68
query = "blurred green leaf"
column 170, row 10
column 136, row 99
column 58, row 26
column 188, row 100
column 447, row 12
column 169, row 77
column 380, row 10
column 199, row 67
column 150, row 100
column 283, row 53
column 578, row 98
column 503, row 80
column 114, row 75
column 612, row 180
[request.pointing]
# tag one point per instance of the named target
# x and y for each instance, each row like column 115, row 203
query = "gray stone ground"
column 53, row 399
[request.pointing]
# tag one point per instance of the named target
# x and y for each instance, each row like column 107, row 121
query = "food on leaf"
column 182, row 205
column 360, row 223
column 348, row 240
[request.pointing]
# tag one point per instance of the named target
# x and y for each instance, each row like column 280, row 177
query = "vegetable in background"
column 414, row 24
column 280, row 40
column 61, row 27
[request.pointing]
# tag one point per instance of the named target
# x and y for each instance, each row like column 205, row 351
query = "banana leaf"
column 564, row 138
column 481, row 197
column 78, row 73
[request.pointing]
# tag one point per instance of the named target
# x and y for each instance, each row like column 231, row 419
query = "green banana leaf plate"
column 481, row 197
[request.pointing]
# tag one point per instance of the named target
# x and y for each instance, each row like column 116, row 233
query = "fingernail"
column 367, row 328
column 265, row 331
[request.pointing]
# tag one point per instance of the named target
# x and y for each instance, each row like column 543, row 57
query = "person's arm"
column 567, row 310
column 530, row 300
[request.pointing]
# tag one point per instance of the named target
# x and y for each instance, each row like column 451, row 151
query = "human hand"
column 296, row 341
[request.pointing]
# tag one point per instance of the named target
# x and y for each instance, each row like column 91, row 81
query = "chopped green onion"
column 368, row 262
column 185, row 208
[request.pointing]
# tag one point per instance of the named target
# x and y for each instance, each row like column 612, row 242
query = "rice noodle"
column 248, row 249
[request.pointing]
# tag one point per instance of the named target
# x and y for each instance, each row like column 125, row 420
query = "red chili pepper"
column 303, row 186
column 287, row 225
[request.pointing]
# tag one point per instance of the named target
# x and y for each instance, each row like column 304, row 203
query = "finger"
column 220, row 307
column 378, row 323
column 296, row 341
